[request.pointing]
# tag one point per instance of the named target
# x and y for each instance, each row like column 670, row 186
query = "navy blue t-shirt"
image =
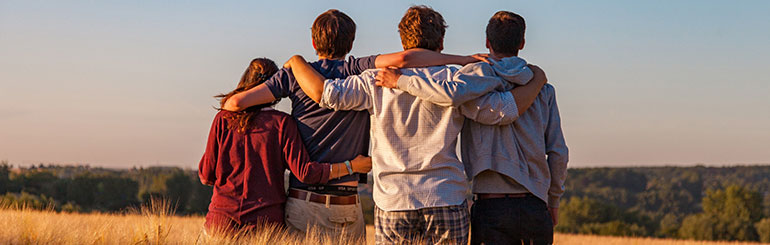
column 329, row 136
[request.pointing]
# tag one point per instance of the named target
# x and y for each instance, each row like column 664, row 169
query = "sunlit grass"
column 151, row 224
column 157, row 224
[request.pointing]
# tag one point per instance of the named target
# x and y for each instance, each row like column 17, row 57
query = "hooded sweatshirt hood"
column 513, row 69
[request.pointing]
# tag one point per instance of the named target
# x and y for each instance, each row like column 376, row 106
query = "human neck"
column 501, row 55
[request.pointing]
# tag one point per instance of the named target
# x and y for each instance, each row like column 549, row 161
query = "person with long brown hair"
column 246, row 155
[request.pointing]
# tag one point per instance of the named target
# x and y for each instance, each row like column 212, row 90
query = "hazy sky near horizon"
column 130, row 83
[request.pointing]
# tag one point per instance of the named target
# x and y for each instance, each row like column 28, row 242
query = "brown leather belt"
column 501, row 195
column 336, row 200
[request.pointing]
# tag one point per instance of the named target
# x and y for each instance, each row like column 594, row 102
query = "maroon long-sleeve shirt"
column 247, row 169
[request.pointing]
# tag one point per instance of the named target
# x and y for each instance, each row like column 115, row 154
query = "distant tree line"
column 701, row 203
column 85, row 189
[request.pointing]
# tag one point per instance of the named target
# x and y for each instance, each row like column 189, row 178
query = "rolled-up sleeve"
column 351, row 93
column 556, row 150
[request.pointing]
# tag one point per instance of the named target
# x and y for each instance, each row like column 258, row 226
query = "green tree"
column 728, row 214
column 699, row 227
column 669, row 226
column 5, row 177
column 591, row 216
column 577, row 212
column 735, row 202
column 115, row 193
column 200, row 197
column 106, row 192
column 763, row 228
column 178, row 190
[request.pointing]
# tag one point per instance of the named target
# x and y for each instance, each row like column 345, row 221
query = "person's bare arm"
column 361, row 164
column 349, row 94
column 554, row 215
column 311, row 82
column 255, row 96
column 422, row 57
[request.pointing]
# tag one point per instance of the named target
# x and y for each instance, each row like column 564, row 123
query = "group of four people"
column 412, row 110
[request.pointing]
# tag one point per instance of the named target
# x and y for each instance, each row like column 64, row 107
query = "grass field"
column 157, row 226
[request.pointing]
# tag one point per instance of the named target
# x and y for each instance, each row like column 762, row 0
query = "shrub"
column 763, row 228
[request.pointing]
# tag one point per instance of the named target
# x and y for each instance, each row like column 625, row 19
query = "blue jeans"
column 511, row 221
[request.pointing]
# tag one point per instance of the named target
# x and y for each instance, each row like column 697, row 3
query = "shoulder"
column 548, row 91
column 275, row 114
column 353, row 60
column 549, row 87
column 442, row 71
column 281, row 74
column 270, row 118
column 478, row 65
column 220, row 119
column 279, row 77
column 369, row 73
column 366, row 76
column 221, row 114
column 478, row 68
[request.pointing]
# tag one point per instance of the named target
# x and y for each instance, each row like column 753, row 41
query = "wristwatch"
column 350, row 169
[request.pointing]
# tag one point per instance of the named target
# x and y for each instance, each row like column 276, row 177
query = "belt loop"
column 307, row 196
column 328, row 200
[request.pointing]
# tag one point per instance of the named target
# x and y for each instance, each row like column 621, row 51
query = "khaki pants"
column 332, row 220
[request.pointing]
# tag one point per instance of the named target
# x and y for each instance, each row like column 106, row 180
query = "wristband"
column 347, row 164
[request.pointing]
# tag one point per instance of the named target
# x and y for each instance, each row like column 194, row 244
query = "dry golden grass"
column 149, row 225
column 158, row 225
column 591, row 239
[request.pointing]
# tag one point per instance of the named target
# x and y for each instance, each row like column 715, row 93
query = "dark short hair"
column 422, row 27
column 505, row 32
column 333, row 33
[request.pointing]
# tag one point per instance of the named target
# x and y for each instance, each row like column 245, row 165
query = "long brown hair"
column 259, row 70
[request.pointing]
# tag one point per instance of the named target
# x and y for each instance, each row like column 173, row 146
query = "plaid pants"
column 439, row 225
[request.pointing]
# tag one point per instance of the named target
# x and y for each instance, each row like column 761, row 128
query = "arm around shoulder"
column 350, row 94
column 258, row 95
column 418, row 57
column 307, row 77
column 526, row 95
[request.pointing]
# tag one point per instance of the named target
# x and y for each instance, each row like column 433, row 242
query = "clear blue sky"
column 125, row 83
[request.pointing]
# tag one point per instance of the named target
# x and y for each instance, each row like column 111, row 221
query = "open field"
column 157, row 226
